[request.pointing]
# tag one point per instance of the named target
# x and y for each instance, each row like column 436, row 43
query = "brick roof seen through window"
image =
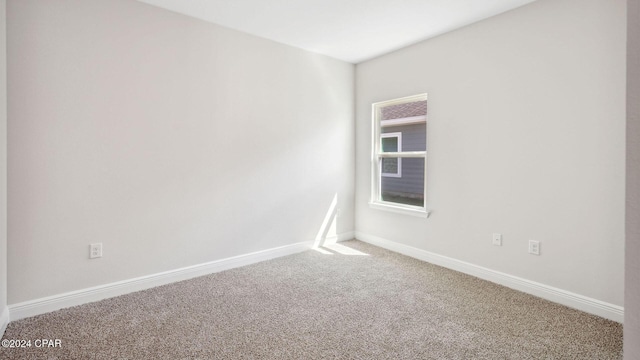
column 416, row 108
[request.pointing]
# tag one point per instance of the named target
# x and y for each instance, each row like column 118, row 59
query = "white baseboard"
column 573, row 300
column 350, row 235
column 346, row 236
column 78, row 297
column 4, row 320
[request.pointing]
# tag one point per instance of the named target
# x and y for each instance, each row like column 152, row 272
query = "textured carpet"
column 327, row 305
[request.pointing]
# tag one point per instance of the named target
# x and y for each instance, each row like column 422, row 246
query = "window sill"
column 408, row 210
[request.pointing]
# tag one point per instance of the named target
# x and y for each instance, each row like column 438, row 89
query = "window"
column 399, row 155
column 391, row 142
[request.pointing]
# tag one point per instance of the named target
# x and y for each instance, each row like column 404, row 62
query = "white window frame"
column 377, row 155
column 397, row 135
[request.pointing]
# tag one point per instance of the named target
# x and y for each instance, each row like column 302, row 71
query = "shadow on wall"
column 327, row 238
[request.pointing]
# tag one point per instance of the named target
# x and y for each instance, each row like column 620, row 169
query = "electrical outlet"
column 534, row 247
column 497, row 239
column 95, row 250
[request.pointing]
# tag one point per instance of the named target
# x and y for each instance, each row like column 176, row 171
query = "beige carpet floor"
column 328, row 305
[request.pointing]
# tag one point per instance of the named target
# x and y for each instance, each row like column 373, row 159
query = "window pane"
column 390, row 166
column 390, row 144
column 408, row 189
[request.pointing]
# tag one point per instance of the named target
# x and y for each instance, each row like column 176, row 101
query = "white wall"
column 4, row 311
column 172, row 141
column 526, row 134
column 632, row 250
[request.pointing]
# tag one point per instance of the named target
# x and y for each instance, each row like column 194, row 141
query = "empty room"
column 416, row 179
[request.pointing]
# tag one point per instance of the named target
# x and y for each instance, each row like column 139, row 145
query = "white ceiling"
column 349, row 30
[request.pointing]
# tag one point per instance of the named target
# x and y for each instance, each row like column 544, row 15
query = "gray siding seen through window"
column 410, row 184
